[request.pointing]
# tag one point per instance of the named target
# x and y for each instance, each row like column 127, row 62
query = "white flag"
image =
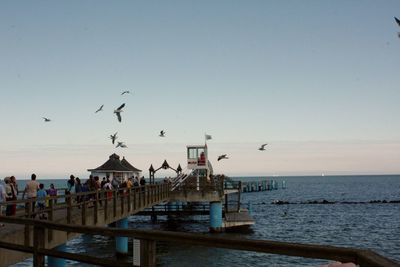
column 208, row 137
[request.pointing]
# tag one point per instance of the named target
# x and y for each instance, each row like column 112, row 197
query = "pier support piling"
column 216, row 217
column 121, row 242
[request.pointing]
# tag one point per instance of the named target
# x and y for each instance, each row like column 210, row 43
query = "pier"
column 106, row 212
column 262, row 185
column 24, row 237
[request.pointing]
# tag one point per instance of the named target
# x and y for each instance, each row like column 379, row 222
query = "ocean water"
column 352, row 221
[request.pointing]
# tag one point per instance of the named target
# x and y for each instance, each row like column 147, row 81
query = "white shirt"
column 2, row 193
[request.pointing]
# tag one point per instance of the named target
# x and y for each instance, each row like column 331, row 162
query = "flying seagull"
column 222, row 157
column 125, row 92
column 397, row 20
column 162, row 133
column 118, row 111
column 262, row 147
column 121, row 144
column 113, row 137
column 46, row 119
column 100, row 108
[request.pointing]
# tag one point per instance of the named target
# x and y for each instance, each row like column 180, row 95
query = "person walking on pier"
column 41, row 201
column 31, row 189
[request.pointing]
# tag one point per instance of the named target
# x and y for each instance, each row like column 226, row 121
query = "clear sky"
column 316, row 80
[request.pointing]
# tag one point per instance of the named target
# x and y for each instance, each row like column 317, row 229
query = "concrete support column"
column 216, row 217
column 121, row 243
column 57, row 262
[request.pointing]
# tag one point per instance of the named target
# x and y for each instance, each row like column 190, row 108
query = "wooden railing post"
column 122, row 201
column 28, row 208
column 28, row 211
column 134, row 198
column 147, row 253
column 115, row 193
column 83, row 211
column 69, row 208
column 105, row 193
column 50, row 218
column 129, row 200
column 148, row 193
column 96, row 207
column 239, row 193
column 38, row 243
column 140, row 197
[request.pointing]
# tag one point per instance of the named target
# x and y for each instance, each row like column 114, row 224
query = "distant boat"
column 322, row 174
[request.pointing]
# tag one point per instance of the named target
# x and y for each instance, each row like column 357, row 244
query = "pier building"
column 114, row 168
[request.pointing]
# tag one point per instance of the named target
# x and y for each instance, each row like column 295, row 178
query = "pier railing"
column 122, row 200
column 148, row 239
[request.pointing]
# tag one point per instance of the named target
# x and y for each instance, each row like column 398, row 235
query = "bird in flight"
column 262, row 147
column 125, row 92
column 100, row 108
column 121, row 144
column 113, row 137
column 162, row 133
column 398, row 22
column 46, row 119
column 118, row 111
column 222, row 157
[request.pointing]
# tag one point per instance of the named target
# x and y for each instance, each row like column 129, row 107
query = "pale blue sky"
column 318, row 80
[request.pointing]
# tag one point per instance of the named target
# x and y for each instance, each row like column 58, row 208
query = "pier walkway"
column 90, row 208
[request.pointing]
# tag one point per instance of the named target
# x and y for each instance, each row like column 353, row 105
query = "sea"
column 363, row 212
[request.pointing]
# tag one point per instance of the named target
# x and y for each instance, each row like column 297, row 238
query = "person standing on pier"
column 108, row 187
column 70, row 184
column 142, row 181
column 2, row 199
column 31, row 189
column 78, row 189
column 9, row 196
column 52, row 192
column 41, row 201
column 14, row 189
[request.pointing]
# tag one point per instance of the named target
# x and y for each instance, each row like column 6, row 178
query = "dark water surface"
column 373, row 226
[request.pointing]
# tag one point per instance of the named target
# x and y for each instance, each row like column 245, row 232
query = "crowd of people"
column 39, row 196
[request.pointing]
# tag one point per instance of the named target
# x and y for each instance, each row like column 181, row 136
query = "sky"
column 316, row 80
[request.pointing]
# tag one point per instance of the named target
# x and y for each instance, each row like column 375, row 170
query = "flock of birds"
column 114, row 136
column 225, row 156
column 117, row 112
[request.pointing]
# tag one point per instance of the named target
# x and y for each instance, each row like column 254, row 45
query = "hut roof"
column 112, row 164
column 127, row 165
